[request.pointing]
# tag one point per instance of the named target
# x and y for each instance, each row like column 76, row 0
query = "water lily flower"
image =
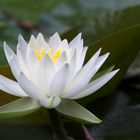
column 48, row 71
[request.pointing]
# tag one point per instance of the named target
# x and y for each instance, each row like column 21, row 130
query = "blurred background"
column 97, row 20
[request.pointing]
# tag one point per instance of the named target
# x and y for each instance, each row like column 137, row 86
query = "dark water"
column 121, row 115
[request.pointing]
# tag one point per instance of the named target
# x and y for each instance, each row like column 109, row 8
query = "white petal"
column 86, row 76
column 31, row 57
column 81, row 59
column 83, row 76
column 40, row 38
column 95, row 85
column 77, row 43
column 74, row 42
column 22, row 63
column 51, row 102
column 59, row 81
column 41, row 41
column 15, row 68
column 64, row 44
column 72, row 64
column 62, row 60
column 29, row 87
column 22, row 46
column 8, row 52
column 89, row 65
column 12, row 60
column 11, row 87
column 31, row 64
column 55, row 42
column 99, row 63
column 45, row 73
column 33, row 43
column 21, row 54
column 91, row 71
column 5, row 89
column 79, row 49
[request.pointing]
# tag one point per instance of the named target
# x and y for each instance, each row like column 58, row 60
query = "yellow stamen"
column 57, row 55
column 37, row 54
column 50, row 53
column 43, row 52
column 40, row 54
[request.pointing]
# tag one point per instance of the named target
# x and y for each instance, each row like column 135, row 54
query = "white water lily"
column 48, row 71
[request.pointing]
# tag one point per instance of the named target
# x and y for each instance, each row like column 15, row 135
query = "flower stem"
column 87, row 133
column 57, row 125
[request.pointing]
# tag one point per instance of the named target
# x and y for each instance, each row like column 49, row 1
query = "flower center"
column 40, row 54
